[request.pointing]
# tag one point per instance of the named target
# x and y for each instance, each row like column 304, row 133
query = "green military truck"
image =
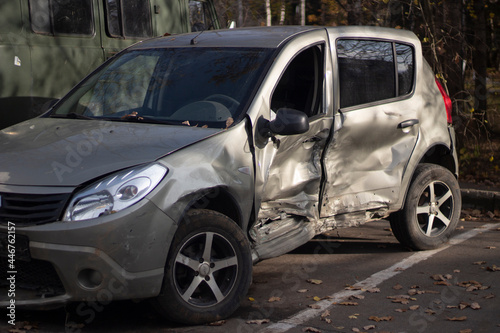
column 47, row 46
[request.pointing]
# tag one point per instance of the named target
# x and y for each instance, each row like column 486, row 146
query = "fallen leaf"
column 430, row 311
column 412, row 292
column 400, row 310
column 438, row 277
column 442, row 283
column 353, row 317
column 456, row 271
column 399, row 269
column 456, row 318
column 398, row 296
column 452, row 307
column 311, row 329
column 482, row 262
column 489, row 296
column 397, row 287
column 349, row 287
column 357, row 297
column 327, row 320
column 377, row 319
column 401, row 300
column 493, row 268
column 355, row 329
column 490, row 247
column 467, row 330
column 314, row 281
column 251, row 299
column 274, row 299
column 325, row 314
column 463, row 305
column 349, row 303
column 302, row 291
column 373, row 290
column 258, row 321
column 369, row 327
column 475, row 306
column 217, row 323
column 316, row 298
column 314, row 306
column 414, row 307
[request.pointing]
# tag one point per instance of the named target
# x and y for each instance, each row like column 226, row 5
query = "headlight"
column 115, row 192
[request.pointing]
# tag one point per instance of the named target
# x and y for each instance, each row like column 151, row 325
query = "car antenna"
column 193, row 41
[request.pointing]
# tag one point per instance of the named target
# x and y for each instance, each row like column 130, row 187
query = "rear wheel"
column 208, row 270
column 431, row 211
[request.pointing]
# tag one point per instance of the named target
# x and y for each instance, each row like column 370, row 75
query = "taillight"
column 447, row 102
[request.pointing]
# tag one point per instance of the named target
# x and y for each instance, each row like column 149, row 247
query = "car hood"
column 69, row 152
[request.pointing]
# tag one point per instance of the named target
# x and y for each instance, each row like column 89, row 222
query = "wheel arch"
column 442, row 155
column 220, row 200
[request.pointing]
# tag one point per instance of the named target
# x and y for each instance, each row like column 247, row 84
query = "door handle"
column 408, row 123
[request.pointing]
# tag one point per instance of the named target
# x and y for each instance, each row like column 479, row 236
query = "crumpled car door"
column 289, row 169
column 377, row 127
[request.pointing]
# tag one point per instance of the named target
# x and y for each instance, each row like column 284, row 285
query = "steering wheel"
column 227, row 101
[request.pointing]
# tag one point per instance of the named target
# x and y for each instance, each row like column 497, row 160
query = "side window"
column 61, row 17
column 126, row 18
column 301, row 85
column 406, row 72
column 367, row 71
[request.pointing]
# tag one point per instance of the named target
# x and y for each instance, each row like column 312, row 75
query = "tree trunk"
column 240, row 13
column 302, row 12
column 480, row 59
column 268, row 13
column 282, row 14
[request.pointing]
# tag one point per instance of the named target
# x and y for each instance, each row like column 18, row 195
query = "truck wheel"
column 431, row 211
column 208, row 270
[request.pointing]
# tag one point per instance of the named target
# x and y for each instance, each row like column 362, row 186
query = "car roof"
column 263, row 37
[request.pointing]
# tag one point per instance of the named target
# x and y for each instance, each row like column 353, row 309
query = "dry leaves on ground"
column 258, row 321
column 377, row 319
column 314, row 281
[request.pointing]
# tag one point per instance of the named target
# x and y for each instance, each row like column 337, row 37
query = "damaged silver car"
column 185, row 159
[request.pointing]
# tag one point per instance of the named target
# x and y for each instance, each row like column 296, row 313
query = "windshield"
column 204, row 87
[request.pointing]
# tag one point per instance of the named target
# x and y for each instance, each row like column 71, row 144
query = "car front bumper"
column 119, row 256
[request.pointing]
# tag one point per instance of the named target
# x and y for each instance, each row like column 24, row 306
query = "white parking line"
column 370, row 282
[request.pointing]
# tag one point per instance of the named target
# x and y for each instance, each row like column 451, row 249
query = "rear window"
column 372, row 71
column 62, row 17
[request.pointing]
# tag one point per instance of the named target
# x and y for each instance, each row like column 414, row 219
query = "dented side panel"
column 367, row 157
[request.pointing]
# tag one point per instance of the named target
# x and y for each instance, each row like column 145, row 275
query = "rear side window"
column 126, row 18
column 371, row 71
column 62, row 17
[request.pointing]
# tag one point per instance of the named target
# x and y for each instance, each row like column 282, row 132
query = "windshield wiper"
column 135, row 118
column 71, row 115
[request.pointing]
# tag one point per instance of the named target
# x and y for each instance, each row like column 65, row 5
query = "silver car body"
column 353, row 165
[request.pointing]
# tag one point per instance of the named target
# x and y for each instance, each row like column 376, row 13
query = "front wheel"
column 208, row 270
column 431, row 211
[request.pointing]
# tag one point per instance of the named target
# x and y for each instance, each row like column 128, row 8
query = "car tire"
column 431, row 211
column 199, row 290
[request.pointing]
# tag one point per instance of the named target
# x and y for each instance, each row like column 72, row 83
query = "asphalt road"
column 363, row 281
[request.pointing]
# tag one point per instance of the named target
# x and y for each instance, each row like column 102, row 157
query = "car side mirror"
column 287, row 122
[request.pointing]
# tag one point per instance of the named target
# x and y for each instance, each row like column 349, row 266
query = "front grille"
column 36, row 275
column 28, row 209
